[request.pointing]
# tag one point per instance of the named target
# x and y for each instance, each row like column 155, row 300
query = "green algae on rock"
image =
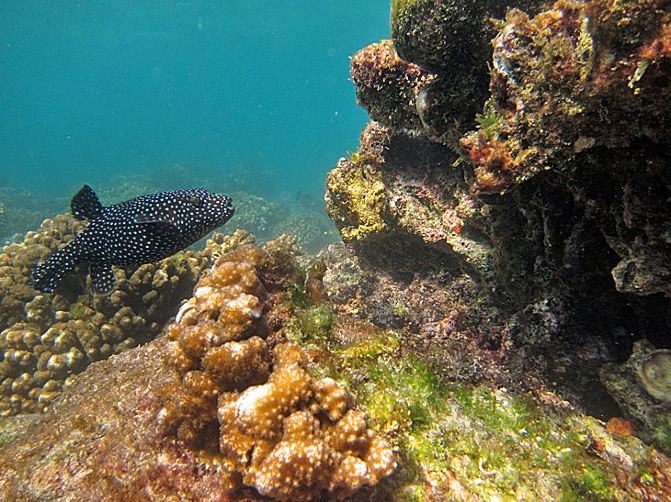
column 478, row 442
column 453, row 440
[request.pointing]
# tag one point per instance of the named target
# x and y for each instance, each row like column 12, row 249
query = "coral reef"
column 101, row 438
column 286, row 434
column 491, row 293
column 305, row 437
column 46, row 339
column 17, row 261
column 464, row 442
column 641, row 388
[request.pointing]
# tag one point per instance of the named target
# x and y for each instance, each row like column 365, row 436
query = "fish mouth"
column 226, row 205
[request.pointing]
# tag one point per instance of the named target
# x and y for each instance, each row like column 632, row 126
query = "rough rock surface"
column 536, row 248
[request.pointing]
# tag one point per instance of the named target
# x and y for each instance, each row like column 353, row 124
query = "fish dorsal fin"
column 159, row 224
column 85, row 205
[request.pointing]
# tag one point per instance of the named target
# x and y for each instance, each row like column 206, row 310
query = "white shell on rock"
column 655, row 374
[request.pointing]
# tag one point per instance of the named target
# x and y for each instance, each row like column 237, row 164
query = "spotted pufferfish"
column 141, row 230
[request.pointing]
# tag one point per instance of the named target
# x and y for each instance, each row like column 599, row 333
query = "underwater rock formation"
column 547, row 226
column 464, row 442
column 46, row 339
column 163, row 420
column 387, row 86
column 570, row 80
column 462, row 324
column 438, row 81
column 607, row 75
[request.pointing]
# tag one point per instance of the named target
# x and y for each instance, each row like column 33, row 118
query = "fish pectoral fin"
column 102, row 278
column 85, row 205
column 158, row 225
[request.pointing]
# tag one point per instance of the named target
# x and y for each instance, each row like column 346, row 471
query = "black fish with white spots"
column 141, row 230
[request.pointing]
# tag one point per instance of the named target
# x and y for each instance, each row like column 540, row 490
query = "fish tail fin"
column 49, row 274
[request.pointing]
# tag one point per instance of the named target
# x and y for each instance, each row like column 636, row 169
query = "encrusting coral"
column 45, row 339
column 285, row 433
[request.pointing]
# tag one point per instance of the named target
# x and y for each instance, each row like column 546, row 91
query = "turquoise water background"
column 95, row 89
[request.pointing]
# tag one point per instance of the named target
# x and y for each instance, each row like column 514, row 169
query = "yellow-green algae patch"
column 363, row 189
column 462, row 442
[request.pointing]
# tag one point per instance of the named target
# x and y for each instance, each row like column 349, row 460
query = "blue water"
column 93, row 89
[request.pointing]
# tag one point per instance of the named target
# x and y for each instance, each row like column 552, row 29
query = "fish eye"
column 195, row 201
